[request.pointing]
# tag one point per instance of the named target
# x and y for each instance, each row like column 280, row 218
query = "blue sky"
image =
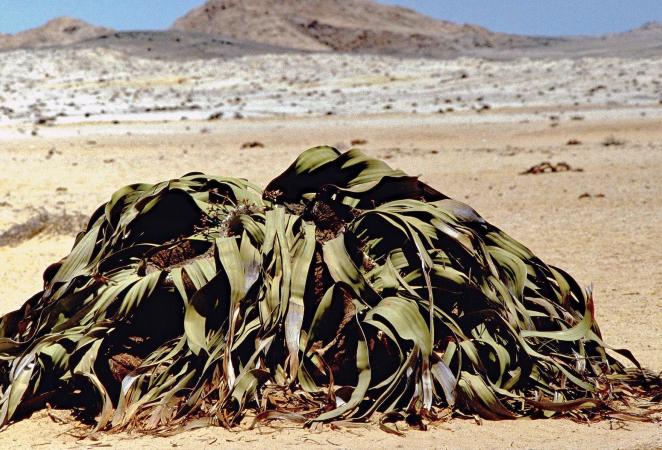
column 541, row 17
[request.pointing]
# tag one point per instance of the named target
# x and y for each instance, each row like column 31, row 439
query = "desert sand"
column 601, row 224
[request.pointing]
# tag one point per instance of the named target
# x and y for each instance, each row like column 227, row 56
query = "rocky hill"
column 650, row 26
column 642, row 42
column 232, row 28
column 345, row 26
column 59, row 31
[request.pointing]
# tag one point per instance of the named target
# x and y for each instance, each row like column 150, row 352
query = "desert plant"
column 344, row 289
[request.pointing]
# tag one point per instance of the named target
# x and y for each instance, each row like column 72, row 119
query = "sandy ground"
column 602, row 225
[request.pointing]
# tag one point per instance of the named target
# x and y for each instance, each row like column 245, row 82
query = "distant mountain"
column 641, row 42
column 344, row 26
column 231, row 28
column 59, row 31
column 649, row 26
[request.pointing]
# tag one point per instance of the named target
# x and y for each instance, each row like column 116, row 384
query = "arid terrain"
column 600, row 224
column 39, row 88
column 86, row 110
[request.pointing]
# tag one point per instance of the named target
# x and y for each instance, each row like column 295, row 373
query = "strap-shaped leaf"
column 302, row 260
column 404, row 316
column 197, row 298
column 343, row 269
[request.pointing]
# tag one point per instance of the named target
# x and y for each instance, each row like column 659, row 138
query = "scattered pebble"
column 587, row 195
column 254, row 144
column 611, row 141
column 548, row 167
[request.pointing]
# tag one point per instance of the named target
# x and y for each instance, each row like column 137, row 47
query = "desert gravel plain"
column 77, row 125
